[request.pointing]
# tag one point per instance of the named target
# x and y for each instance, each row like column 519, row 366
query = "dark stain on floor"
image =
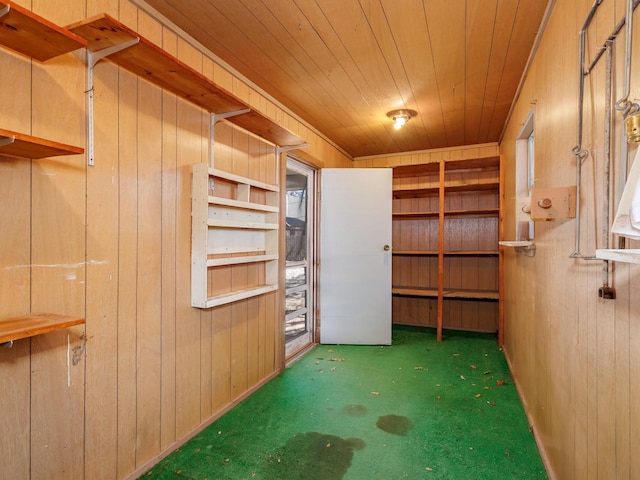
column 355, row 410
column 395, row 424
column 313, row 455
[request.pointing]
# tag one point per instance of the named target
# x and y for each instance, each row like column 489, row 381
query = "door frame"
column 308, row 339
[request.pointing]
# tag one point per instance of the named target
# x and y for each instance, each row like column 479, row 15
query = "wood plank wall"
column 111, row 243
column 575, row 356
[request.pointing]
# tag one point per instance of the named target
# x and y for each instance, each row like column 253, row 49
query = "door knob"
column 387, row 248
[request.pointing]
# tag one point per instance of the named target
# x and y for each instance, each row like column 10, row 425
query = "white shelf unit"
column 234, row 224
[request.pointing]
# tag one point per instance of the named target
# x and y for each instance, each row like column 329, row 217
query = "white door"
column 355, row 256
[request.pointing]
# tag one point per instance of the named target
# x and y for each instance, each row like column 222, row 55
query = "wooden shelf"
column 415, row 291
column 471, row 294
column 242, row 180
column 26, row 146
column 223, row 261
column 242, row 225
column 629, row 255
column 34, row 324
column 477, row 213
column 447, row 294
column 237, row 295
column 153, row 64
column 228, row 202
column 471, row 253
column 414, row 192
column 29, row 34
column 230, row 232
column 444, row 183
column 482, row 186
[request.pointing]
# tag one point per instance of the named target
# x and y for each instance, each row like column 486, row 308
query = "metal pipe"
column 580, row 153
column 612, row 36
column 623, row 104
column 607, row 163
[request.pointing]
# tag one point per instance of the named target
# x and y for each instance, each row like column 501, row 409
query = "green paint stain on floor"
column 418, row 409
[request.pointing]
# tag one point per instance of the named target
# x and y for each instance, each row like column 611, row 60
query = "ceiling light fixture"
column 401, row 117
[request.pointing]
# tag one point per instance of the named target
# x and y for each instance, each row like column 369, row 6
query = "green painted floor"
column 418, row 409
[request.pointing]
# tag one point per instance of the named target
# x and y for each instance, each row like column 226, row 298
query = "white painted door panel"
column 355, row 267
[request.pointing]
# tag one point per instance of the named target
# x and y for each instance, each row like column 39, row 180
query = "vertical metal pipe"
column 623, row 104
column 580, row 153
column 607, row 162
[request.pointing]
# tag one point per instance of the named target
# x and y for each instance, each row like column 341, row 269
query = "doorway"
column 300, row 257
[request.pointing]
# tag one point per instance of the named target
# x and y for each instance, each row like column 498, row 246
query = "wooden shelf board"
column 471, row 294
column 486, row 187
column 408, row 192
column 411, row 215
column 242, row 225
column 219, row 262
column 484, row 212
column 262, row 126
column 477, row 213
column 29, row 34
column 237, row 295
column 243, row 180
column 228, row 202
column 34, row 324
column 471, row 253
column 628, row 255
column 27, row 146
column 487, row 163
column 448, row 293
column 415, row 291
column 153, row 64
column 416, row 170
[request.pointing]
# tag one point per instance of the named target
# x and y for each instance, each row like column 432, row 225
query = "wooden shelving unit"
column 235, row 223
column 31, row 35
column 153, row 64
column 26, row 326
column 446, row 257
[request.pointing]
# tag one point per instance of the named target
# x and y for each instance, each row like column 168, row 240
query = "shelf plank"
column 29, row 34
column 471, row 294
column 629, row 255
column 243, row 180
column 415, row 291
column 228, row 202
column 27, row 146
column 153, row 64
column 219, row 262
column 34, row 324
column 150, row 62
column 472, row 253
column 407, row 192
column 447, row 293
column 487, row 163
column 242, row 225
column 262, row 126
column 237, row 295
column 477, row 213
column 474, row 187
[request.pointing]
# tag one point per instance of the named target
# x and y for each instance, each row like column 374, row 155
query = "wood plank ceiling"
column 341, row 65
